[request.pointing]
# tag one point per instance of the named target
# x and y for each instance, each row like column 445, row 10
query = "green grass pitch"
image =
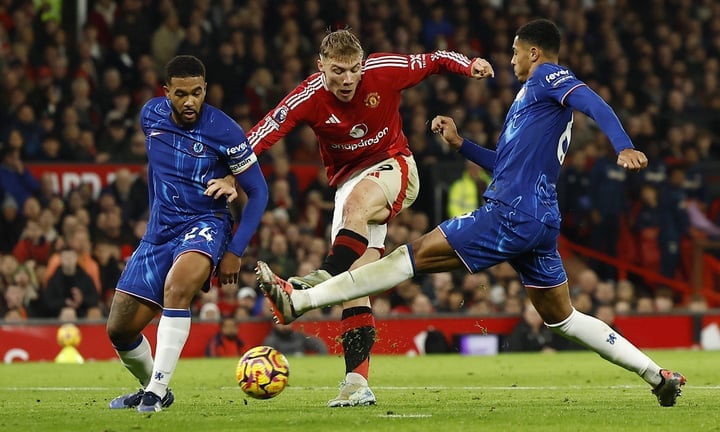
column 509, row 392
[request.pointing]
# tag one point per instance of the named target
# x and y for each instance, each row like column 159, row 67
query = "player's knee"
column 180, row 294
column 119, row 333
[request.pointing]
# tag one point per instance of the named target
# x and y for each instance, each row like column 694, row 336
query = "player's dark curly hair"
column 541, row 32
column 184, row 66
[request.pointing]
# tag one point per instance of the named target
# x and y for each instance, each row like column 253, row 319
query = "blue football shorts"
column 145, row 272
column 496, row 232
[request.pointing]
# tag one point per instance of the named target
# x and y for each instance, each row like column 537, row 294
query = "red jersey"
column 357, row 134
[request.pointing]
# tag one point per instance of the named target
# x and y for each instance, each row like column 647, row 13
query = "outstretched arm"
column 591, row 104
column 445, row 126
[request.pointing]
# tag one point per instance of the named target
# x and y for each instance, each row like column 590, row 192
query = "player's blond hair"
column 340, row 45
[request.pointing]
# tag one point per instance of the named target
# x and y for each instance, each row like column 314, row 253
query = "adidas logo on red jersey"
column 332, row 119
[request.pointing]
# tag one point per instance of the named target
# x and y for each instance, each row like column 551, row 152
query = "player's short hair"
column 340, row 44
column 184, row 66
column 541, row 32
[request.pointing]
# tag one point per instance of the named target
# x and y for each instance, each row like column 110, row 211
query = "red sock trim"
column 352, row 323
column 357, row 246
column 363, row 368
column 357, row 321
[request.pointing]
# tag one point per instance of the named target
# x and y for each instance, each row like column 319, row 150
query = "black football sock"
column 346, row 249
column 358, row 339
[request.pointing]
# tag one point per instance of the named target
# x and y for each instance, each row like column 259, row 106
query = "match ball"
column 262, row 372
column 69, row 335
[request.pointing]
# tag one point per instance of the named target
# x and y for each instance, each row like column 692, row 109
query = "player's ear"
column 320, row 64
column 534, row 54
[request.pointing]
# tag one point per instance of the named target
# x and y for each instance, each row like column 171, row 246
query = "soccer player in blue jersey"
column 191, row 148
column 520, row 222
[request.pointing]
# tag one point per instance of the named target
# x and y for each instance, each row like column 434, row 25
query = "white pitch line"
column 58, row 388
column 430, row 388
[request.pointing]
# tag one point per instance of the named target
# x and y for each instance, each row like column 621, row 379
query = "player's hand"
column 445, row 126
column 229, row 268
column 481, row 68
column 632, row 160
column 225, row 186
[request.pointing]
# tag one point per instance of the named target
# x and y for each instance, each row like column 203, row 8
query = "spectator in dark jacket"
column 70, row 287
column 15, row 179
column 289, row 341
column 675, row 221
column 530, row 334
column 12, row 223
column 608, row 203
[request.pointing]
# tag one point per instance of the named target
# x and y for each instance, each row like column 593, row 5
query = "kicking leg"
column 430, row 253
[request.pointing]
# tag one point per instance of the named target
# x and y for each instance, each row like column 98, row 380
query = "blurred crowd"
column 657, row 63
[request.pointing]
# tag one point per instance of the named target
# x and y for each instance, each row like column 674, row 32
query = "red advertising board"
column 67, row 176
column 36, row 342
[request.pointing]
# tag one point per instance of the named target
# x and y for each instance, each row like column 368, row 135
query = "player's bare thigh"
column 366, row 204
column 128, row 316
column 185, row 279
column 384, row 190
column 433, row 254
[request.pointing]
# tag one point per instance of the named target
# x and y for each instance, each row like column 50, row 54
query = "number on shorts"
column 195, row 231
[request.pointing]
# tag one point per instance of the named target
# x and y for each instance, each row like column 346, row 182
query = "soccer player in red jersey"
column 352, row 105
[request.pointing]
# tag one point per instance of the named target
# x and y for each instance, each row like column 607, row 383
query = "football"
column 68, row 335
column 262, row 372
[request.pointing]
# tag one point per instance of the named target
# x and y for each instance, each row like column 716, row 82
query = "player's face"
column 342, row 76
column 522, row 59
column 186, row 98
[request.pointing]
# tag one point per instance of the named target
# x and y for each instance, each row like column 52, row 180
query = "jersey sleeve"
column 591, row 104
column 144, row 117
column 253, row 183
column 562, row 85
column 240, row 156
column 285, row 116
column 407, row 70
column 243, row 165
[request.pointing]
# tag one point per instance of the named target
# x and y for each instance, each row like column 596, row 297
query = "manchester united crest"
column 372, row 100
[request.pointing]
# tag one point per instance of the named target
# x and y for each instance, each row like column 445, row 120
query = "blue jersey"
column 533, row 143
column 182, row 161
column 521, row 222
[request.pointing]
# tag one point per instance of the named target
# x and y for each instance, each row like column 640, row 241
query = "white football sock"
column 355, row 378
column 611, row 346
column 138, row 361
column 367, row 280
column 172, row 333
